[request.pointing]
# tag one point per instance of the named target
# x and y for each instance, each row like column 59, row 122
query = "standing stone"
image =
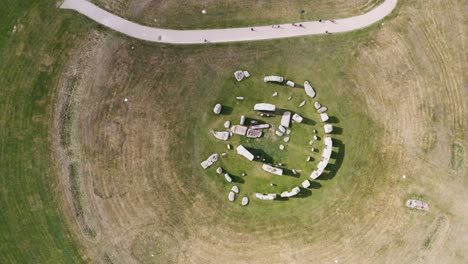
column 217, row 109
column 227, row 124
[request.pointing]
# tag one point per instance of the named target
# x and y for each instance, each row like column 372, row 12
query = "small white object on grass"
column 315, row 137
column 275, row 94
column 286, row 139
column 404, row 177
column 281, row 147
column 289, row 98
column 203, row 11
column 125, row 99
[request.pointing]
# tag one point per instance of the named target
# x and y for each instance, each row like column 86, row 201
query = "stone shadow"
column 226, row 110
column 308, row 121
column 261, row 156
column 303, row 194
column 288, row 172
column 336, row 131
column 333, row 120
column 315, row 185
column 237, row 179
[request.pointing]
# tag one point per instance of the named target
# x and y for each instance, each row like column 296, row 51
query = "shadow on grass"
column 237, row 179
column 226, row 110
column 308, row 121
column 336, row 131
column 338, row 156
column 315, row 185
column 303, row 194
column 287, row 172
column 261, row 156
column 333, row 120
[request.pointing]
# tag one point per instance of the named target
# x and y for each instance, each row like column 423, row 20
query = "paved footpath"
column 228, row 34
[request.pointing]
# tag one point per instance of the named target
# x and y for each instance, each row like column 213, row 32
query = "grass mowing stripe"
column 32, row 226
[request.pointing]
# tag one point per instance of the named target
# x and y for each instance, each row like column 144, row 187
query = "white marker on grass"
column 203, row 11
column 125, row 99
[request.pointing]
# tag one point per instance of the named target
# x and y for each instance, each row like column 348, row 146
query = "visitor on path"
column 320, row 20
column 251, row 29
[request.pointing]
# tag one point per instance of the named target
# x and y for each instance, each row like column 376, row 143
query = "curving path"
column 229, row 34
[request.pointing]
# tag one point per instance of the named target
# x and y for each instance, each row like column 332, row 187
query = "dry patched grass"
column 187, row 14
column 400, row 92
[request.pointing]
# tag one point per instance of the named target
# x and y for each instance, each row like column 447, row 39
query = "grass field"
column 91, row 178
column 34, row 38
column 186, row 14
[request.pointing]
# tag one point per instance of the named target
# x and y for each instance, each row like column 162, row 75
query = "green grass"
column 32, row 226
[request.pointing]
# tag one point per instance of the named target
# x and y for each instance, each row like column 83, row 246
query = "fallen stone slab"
column 417, row 204
column 241, row 150
column 239, row 130
column 270, row 196
column 210, row 161
column 290, row 83
column 302, row 103
column 272, row 78
column 261, row 126
column 286, row 119
column 265, row 107
column 309, row 90
column 221, row 135
column 271, row 169
column 235, row 189
column 254, row 133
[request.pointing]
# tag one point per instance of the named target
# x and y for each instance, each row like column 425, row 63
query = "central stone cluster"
column 256, row 129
